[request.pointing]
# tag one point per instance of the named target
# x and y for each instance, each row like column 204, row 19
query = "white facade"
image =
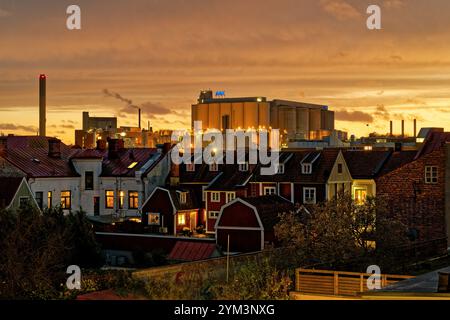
column 93, row 200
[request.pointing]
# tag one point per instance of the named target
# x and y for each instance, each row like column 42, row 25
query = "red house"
column 171, row 211
column 249, row 223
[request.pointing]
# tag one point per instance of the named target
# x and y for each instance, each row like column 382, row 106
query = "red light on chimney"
column 42, row 76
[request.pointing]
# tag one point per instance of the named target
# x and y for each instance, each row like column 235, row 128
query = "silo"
column 250, row 115
column 225, row 115
column 315, row 116
column 237, row 116
column 302, row 131
column 264, row 114
column 201, row 113
column 287, row 120
column 214, row 116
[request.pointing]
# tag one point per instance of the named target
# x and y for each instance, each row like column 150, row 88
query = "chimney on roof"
column 166, row 147
column 391, row 128
column 114, row 146
column 415, row 128
column 139, row 118
column 54, row 148
column 403, row 128
column 101, row 144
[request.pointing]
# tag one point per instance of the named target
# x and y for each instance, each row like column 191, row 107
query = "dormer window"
column 280, row 169
column 183, row 197
column 190, row 167
column 213, row 167
column 243, row 167
column 306, row 168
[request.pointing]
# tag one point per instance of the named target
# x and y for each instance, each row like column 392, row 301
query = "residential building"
column 15, row 193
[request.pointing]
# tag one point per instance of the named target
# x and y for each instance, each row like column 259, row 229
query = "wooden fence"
column 324, row 282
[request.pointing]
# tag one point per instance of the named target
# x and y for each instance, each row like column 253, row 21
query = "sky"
column 158, row 54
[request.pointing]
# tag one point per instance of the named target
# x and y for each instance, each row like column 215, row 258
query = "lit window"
column 181, row 219
column 190, row 167
column 121, row 199
column 154, row 219
column 368, row 148
column 243, row 167
column 269, row 191
column 306, row 168
column 215, row 196
column 66, row 199
column 133, row 200
column 230, row 196
column 213, row 167
column 360, row 195
column 131, row 166
column 431, row 174
column 213, row 214
column 49, row 199
column 109, row 199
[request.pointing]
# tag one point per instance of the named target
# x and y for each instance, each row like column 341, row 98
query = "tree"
column 341, row 230
column 37, row 247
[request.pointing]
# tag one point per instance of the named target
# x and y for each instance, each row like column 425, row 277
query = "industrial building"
column 296, row 120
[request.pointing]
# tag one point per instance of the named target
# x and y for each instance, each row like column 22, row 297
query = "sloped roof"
column 269, row 207
column 8, row 189
column 397, row 160
column 192, row 251
column 321, row 168
column 433, row 142
column 202, row 174
column 365, row 164
column 32, row 158
column 231, row 178
column 191, row 201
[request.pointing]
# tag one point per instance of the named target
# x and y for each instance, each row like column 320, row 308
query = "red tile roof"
column 365, row 164
column 192, row 251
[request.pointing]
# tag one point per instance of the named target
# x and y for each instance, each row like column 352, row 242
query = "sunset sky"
column 161, row 53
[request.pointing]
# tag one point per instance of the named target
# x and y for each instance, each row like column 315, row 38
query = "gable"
column 336, row 177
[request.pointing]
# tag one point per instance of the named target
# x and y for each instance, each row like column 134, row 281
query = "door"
column 193, row 221
column 96, row 206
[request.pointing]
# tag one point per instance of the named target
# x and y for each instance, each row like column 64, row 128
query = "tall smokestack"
column 391, row 128
column 403, row 128
column 42, row 105
column 139, row 118
column 415, row 128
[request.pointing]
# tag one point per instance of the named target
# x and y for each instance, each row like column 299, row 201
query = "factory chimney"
column 42, row 105
column 415, row 128
column 391, row 128
column 139, row 118
column 403, row 128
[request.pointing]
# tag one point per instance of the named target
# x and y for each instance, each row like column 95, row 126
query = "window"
column 213, row 214
column 280, row 169
column 23, row 202
column 215, row 196
column 121, row 199
column 213, row 167
column 230, row 196
column 66, row 199
column 183, row 197
column 109, row 199
column 269, row 191
column 154, row 219
column 339, row 168
column 49, row 199
column 40, row 199
column 309, row 195
column 190, row 167
column 360, row 195
column 133, row 200
column 306, row 168
column 132, row 165
column 89, row 180
column 431, row 174
column 243, row 167
column 181, row 219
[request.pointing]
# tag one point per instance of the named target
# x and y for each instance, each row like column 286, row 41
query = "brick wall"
column 420, row 205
